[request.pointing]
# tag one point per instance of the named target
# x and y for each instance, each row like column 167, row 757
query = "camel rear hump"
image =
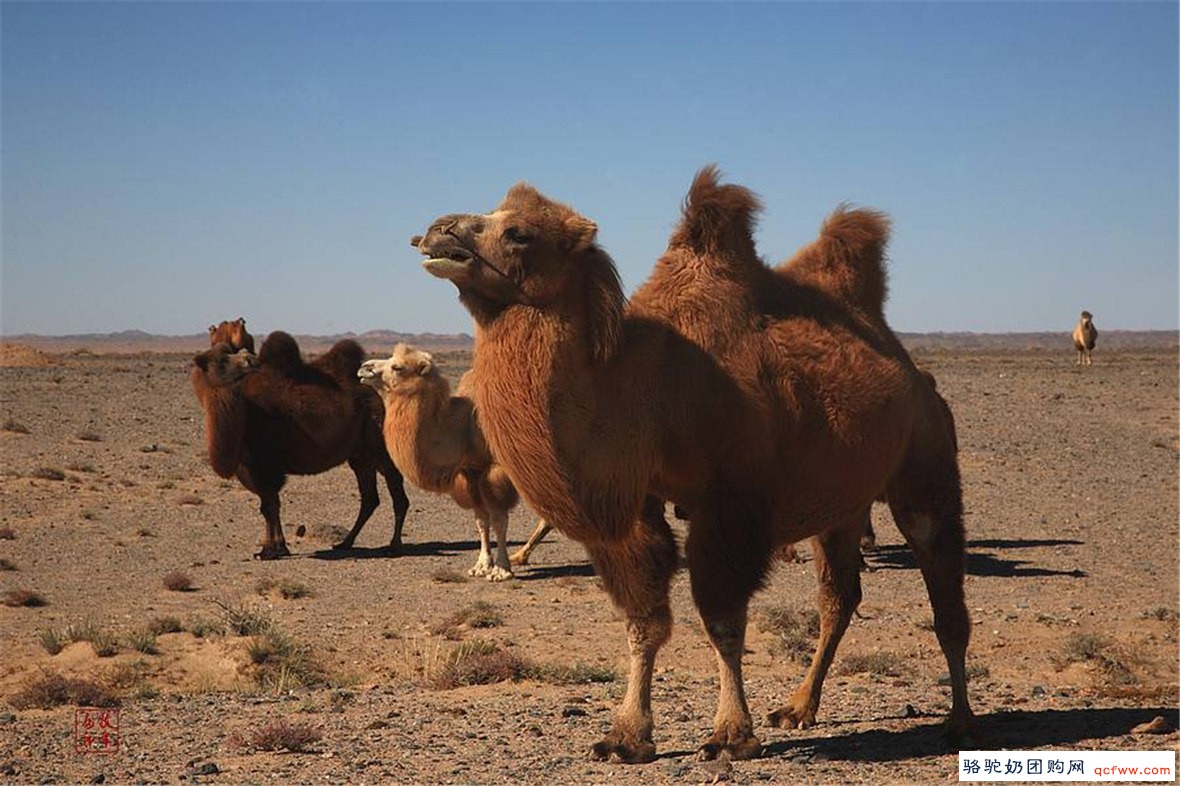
column 847, row 260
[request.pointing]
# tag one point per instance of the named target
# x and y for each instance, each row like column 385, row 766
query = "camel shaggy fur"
column 232, row 332
column 278, row 416
column 770, row 404
column 1085, row 336
column 433, row 436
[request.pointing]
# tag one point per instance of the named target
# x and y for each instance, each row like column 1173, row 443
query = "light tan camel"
column 772, row 405
column 1085, row 336
column 232, row 332
column 275, row 416
column 435, row 440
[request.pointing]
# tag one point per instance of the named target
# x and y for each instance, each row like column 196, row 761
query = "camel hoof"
column 498, row 574
column 959, row 732
column 518, row 559
column 620, row 752
column 273, row 551
column 790, row 718
column 343, row 545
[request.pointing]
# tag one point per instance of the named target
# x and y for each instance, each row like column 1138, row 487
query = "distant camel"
column 434, row 438
column 771, row 404
column 232, row 332
column 1085, row 336
column 277, row 415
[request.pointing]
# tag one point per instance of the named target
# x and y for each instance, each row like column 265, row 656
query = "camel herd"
column 769, row 405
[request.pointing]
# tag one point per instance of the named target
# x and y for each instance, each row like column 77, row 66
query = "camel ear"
column 583, row 230
column 241, row 321
column 212, row 329
column 425, row 367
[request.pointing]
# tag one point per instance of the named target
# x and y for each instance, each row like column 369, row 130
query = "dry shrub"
column 281, row 663
column 795, row 629
column 6, row 564
column 288, row 589
column 24, row 597
column 203, row 627
column 578, row 674
column 7, row 533
column 280, row 736
column 178, row 581
column 54, row 690
column 244, row 621
column 53, row 640
column 142, row 640
column 1079, row 647
column 447, row 576
column 191, row 499
column 47, row 473
column 479, row 663
column 881, row 664
column 480, row 614
column 89, row 435
column 161, row 625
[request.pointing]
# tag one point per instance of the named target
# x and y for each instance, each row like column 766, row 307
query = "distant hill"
column 375, row 341
column 382, row 341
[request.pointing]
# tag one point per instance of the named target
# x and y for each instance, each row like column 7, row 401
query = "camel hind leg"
column 267, row 486
column 521, row 555
column 926, row 501
column 837, row 569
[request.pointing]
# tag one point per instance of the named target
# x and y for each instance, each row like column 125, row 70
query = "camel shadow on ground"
column 898, row 557
column 1019, row 730
column 542, row 572
column 420, row 549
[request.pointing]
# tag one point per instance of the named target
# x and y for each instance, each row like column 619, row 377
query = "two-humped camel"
column 1085, row 336
column 435, row 440
column 276, row 415
column 771, row 405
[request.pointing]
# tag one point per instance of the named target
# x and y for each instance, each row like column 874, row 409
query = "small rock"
column 1038, row 691
column 1157, row 725
column 7, row 717
column 300, row 531
column 99, row 778
column 573, row 712
column 208, row 768
column 378, row 724
column 909, row 711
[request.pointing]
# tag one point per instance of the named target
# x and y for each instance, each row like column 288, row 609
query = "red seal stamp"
column 96, row 730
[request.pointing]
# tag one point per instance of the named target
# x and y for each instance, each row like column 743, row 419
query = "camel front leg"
column 501, row 569
column 637, row 572
column 366, row 484
column 484, row 562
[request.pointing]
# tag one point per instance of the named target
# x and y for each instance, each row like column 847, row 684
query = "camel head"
column 1087, row 317
column 530, row 251
column 232, row 332
column 222, row 365
column 405, row 372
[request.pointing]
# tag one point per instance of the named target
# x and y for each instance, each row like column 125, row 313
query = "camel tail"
column 717, row 219
column 848, row 258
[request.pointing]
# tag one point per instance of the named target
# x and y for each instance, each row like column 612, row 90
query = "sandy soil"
column 1070, row 479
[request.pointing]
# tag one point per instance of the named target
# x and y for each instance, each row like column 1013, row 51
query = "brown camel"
column 232, row 332
column 772, row 405
column 279, row 416
column 1085, row 336
column 433, row 436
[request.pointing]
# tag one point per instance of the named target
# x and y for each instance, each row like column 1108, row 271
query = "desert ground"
column 128, row 581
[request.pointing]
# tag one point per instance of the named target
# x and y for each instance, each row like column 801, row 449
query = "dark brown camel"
column 771, row 404
column 283, row 416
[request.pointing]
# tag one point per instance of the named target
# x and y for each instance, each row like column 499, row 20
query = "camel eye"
column 397, row 368
column 517, row 236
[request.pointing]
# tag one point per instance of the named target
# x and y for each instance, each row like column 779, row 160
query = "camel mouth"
column 368, row 375
column 447, row 267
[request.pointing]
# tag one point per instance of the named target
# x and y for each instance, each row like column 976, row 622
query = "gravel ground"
column 1070, row 480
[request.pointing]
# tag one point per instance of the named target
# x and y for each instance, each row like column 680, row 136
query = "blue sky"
column 168, row 165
